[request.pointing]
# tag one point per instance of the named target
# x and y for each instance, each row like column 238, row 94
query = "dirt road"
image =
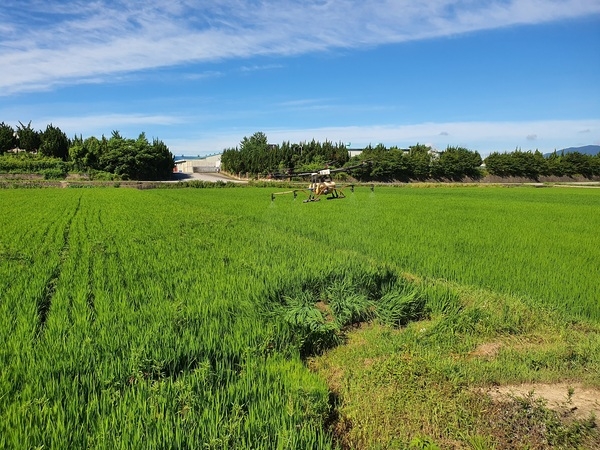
column 204, row 177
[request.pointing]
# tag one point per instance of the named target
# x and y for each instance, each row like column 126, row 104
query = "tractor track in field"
column 44, row 302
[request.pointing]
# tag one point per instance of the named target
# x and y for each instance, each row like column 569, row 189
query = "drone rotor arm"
column 273, row 194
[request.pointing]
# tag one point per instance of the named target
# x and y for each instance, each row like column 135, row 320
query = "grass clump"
column 347, row 305
column 400, row 304
column 311, row 332
column 320, row 312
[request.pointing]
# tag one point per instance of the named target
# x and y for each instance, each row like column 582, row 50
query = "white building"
column 204, row 164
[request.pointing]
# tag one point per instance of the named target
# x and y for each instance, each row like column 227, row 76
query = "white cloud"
column 485, row 137
column 203, row 75
column 52, row 43
column 97, row 125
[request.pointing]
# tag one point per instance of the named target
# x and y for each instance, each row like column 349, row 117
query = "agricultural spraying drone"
column 321, row 183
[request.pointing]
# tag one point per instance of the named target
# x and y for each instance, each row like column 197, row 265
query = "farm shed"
column 205, row 164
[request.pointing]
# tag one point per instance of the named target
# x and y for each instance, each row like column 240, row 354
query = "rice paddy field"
column 215, row 318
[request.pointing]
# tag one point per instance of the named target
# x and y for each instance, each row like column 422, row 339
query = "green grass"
column 184, row 318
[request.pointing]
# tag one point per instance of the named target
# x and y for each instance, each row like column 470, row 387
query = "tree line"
column 418, row 162
column 51, row 150
column 535, row 164
column 256, row 157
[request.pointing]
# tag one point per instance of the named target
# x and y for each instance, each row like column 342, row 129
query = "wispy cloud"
column 203, row 75
column 45, row 44
column 255, row 68
column 308, row 104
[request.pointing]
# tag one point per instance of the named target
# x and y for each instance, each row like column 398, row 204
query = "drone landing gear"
column 337, row 194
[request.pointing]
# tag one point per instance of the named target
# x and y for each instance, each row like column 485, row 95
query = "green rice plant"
column 347, row 305
column 441, row 299
column 401, row 304
column 312, row 332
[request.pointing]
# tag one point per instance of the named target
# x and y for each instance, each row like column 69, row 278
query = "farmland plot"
column 175, row 318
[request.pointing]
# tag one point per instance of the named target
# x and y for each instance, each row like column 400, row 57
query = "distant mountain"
column 585, row 150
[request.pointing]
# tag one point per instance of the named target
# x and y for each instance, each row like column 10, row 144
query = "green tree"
column 596, row 165
column 401, row 169
column 136, row 159
column 8, row 141
column 257, row 157
column 525, row 164
column 231, row 160
column 419, row 161
column 254, row 151
column 497, row 164
column 54, row 143
column 385, row 164
column 456, row 163
column 541, row 163
column 553, row 165
column 515, row 164
column 382, row 163
column 28, row 139
column 578, row 164
column 77, row 152
column 157, row 162
column 85, row 154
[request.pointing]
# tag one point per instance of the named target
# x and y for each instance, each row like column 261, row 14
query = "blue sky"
column 489, row 75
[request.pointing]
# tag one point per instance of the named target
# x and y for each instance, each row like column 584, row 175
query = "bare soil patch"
column 580, row 402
